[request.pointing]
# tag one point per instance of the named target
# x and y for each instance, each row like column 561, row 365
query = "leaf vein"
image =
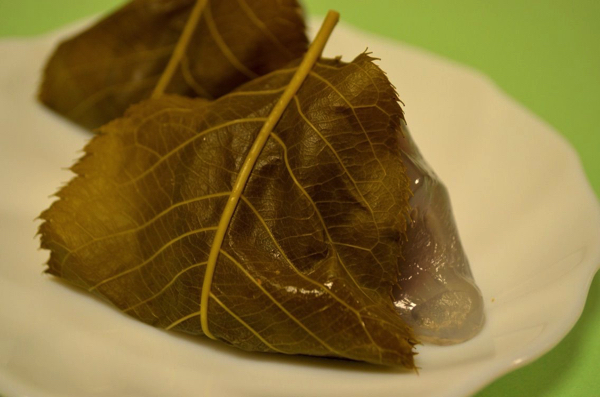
column 264, row 28
column 154, row 255
column 191, row 80
column 182, row 319
column 246, row 325
column 314, row 205
column 190, row 140
column 340, row 161
column 319, row 77
column 304, row 277
column 214, row 32
column 279, row 305
column 165, row 287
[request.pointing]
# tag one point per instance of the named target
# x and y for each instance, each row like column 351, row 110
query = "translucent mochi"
column 436, row 293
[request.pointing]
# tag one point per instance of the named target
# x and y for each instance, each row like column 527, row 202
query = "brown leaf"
column 94, row 77
column 310, row 256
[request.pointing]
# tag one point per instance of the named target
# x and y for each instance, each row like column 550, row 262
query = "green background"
column 545, row 54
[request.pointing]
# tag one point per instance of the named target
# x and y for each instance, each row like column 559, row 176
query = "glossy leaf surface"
column 311, row 254
column 95, row 76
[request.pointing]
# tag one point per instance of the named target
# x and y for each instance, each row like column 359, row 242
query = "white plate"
column 527, row 216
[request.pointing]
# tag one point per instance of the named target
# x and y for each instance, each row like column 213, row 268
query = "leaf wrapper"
column 311, row 254
column 94, row 77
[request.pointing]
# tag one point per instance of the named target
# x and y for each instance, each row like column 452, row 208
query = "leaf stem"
column 180, row 48
column 311, row 56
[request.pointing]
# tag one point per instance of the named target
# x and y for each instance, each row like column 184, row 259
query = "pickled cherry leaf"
column 95, row 76
column 311, row 254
